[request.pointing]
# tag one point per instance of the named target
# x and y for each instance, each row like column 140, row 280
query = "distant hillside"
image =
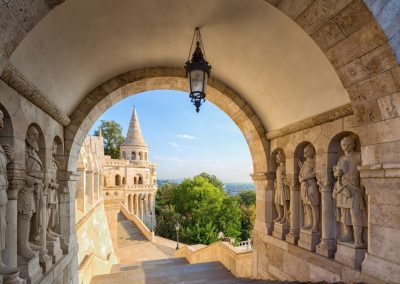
column 232, row 188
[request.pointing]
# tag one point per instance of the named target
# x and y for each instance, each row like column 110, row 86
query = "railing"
column 239, row 262
column 140, row 187
column 244, row 245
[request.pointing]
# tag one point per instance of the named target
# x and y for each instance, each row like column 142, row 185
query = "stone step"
column 184, row 273
column 149, row 263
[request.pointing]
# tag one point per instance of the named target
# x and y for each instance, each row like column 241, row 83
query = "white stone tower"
column 134, row 148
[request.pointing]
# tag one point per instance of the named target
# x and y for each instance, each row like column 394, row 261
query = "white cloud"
column 173, row 144
column 167, row 158
column 186, row 136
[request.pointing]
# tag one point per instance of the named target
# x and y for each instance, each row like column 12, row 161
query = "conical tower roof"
column 134, row 136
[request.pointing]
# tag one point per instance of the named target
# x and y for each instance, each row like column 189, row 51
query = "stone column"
column 136, row 198
column 89, row 188
column 382, row 184
column 81, row 190
column 9, row 254
column 327, row 246
column 95, row 187
column 264, row 184
column 295, row 206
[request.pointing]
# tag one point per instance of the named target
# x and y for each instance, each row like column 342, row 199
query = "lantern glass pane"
column 196, row 80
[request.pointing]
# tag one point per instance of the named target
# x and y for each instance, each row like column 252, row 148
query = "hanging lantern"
column 197, row 71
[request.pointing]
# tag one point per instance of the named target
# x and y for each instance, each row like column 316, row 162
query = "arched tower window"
column 134, row 180
column 117, row 180
column 133, row 156
column 123, row 180
column 140, row 180
column 140, row 155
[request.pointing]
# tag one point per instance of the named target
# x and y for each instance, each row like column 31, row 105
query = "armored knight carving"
column 6, row 155
column 348, row 194
column 309, row 189
column 52, row 198
column 282, row 194
column 29, row 197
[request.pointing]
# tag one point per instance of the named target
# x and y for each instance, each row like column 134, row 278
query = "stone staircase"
column 175, row 270
column 167, row 269
column 128, row 233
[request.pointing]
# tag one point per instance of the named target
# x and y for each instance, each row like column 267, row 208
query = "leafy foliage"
column 203, row 210
column 112, row 134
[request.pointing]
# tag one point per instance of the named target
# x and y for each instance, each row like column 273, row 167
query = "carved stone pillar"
column 295, row 205
column 89, row 188
column 264, row 184
column 136, row 200
column 16, row 182
column 81, row 191
column 327, row 246
column 382, row 184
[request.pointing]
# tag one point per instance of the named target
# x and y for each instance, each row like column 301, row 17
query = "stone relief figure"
column 309, row 189
column 52, row 198
column 348, row 193
column 282, row 194
column 29, row 196
column 6, row 155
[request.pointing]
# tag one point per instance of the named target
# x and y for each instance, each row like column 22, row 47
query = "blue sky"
column 184, row 143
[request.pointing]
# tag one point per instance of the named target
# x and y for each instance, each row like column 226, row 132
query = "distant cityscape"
column 232, row 188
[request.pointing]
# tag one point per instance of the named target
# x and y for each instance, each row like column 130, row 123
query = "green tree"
column 112, row 133
column 163, row 196
column 247, row 197
column 248, row 216
column 205, row 210
column 247, row 200
column 213, row 180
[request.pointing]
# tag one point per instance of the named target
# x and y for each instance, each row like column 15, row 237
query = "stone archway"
column 137, row 81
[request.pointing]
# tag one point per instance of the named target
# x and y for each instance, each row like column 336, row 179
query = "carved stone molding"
column 319, row 119
column 18, row 82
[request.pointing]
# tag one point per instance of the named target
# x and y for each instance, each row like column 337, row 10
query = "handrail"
column 239, row 262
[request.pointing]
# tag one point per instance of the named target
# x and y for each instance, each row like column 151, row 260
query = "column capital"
column 263, row 176
column 325, row 182
column 16, row 181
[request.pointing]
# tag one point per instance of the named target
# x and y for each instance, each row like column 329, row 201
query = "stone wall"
column 96, row 253
column 288, row 252
column 19, row 115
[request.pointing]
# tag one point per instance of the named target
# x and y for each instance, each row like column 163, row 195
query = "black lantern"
column 197, row 71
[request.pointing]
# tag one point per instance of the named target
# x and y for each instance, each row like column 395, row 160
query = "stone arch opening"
column 142, row 80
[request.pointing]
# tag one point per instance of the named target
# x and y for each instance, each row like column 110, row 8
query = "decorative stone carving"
column 349, row 195
column 309, row 189
column 6, row 155
column 282, row 194
column 29, row 197
column 52, row 198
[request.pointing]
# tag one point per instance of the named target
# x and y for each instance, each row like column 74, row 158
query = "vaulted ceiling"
column 253, row 48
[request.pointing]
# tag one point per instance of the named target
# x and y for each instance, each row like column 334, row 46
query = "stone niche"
column 281, row 195
column 307, row 198
column 47, row 262
column 349, row 223
column 316, row 168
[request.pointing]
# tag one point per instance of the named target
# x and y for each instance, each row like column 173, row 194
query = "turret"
column 134, row 148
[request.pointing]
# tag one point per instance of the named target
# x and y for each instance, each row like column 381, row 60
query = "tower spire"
column 134, row 136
